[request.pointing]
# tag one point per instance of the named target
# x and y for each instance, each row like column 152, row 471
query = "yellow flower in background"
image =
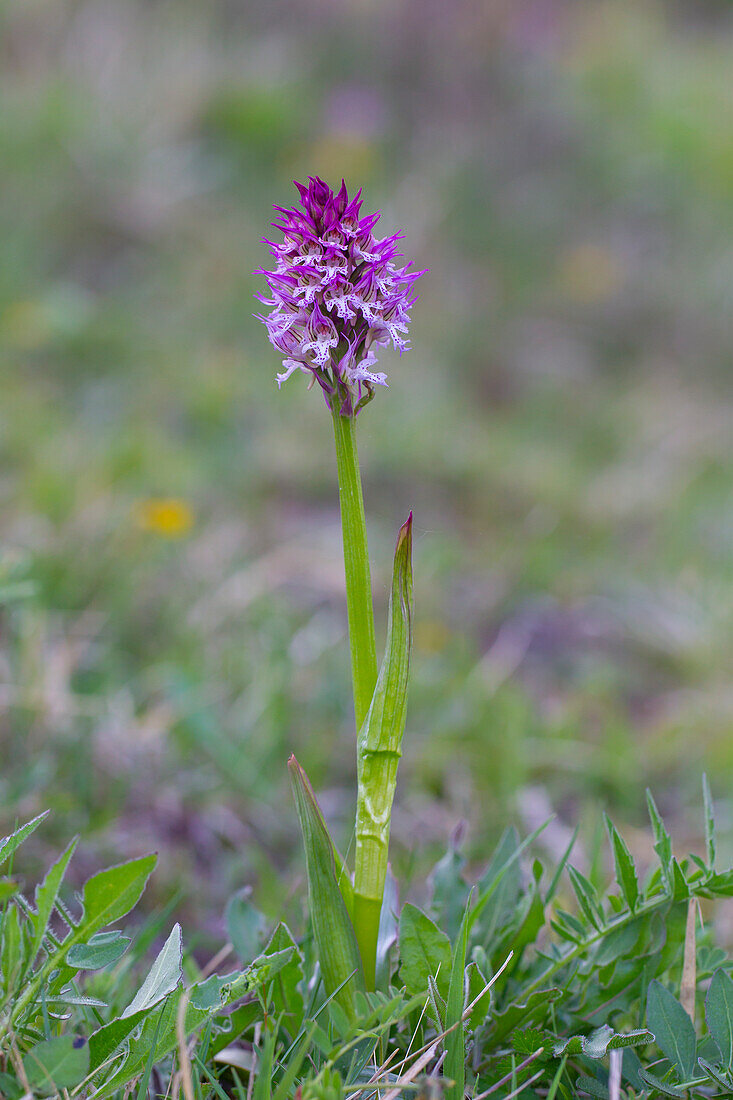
column 590, row 273
column 169, row 517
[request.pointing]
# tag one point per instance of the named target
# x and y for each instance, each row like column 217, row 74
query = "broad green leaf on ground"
column 719, row 1014
column 58, row 1063
column 9, row 844
column 163, row 977
column 102, row 950
column 424, row 951
column 111, row 894
column 46, row 894
column 672, row 1027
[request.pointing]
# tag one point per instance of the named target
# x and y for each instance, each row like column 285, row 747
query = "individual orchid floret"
column 336, row 295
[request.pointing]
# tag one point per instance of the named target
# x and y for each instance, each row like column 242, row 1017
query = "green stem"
column 359, row 604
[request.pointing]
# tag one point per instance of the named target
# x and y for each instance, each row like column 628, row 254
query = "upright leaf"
column 455, row 1041
column 587, row 897
column 709, row 822
column 11, row 954
column 163, row 976
column 719, row 1014
column 286, row 990
column 9, row 844
column 338, row 952
column 505, row 888
column 662, row 841
column 625, row 869
column 378, row 754
column 672, row 1028
column 46, row 894
column 424, row 952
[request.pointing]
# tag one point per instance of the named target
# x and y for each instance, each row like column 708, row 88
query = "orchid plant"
column 336, row 295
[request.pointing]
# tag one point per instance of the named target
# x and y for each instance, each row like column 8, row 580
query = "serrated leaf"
column 163, row 976
column 338, row 951
column 58, row 1063
column 112, row 893
column 102, row 950
column 13, row 841
column 656, row 1085
column 424, row 951
column 662, row 840
column 719, row 1014
column 625, row 868
column 672, row 1027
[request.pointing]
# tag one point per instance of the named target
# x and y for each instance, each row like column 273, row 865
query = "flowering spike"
column 337, row 295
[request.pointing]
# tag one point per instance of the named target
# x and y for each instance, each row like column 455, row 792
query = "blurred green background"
column 174, row 622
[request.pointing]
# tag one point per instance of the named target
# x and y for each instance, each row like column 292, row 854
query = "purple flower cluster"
column 336, row 295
